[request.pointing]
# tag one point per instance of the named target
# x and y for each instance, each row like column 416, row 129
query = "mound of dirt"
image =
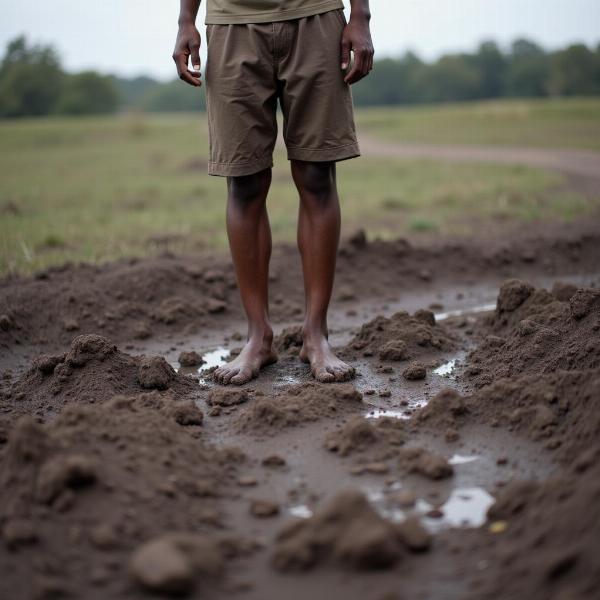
column 534, row 332
column 376, row 439
column 346, row 531
column 93, row 370
column 401, row 337
column 371, row 442
column 298, row 404
column 551, row 543
column 289, row 341
column 79, row 494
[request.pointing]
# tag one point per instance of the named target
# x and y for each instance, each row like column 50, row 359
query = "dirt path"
column 582, row 164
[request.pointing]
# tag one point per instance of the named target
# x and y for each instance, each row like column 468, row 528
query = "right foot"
column 246, row 366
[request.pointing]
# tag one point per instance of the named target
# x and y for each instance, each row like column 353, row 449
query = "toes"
column 243, row 376
column 323, row 375
column 229, row 375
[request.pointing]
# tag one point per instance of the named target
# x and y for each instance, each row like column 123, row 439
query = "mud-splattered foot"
column 247, row 364
column 324, row 364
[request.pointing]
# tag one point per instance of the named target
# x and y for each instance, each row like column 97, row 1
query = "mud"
column 125, row 472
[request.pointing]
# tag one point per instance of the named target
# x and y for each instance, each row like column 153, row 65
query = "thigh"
column 316, row 103
column 241, row 99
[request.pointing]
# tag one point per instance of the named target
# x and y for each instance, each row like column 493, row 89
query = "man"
column 297, row 52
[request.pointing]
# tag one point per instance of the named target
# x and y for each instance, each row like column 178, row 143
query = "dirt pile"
column 401, row 337
column 371, row 442
column 532, row 331
column 78, row 495
column 373, row 439
column 298, row 404
column 551, row 543
column 93, row 370
column 346, row 531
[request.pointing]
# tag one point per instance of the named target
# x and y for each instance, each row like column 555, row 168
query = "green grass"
column 95, row 189
column 568, row 123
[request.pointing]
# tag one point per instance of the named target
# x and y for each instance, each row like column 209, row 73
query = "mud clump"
column 155, row 373
column 424, row 462
column 534, row 332
column 171, row 563
column 93, row 370
column 401, row 337
column 298, row 404
column 227, row 397
column 415, row 371
column 82, row 490
column 190, row 359
column 372, row 441
column 348, row 532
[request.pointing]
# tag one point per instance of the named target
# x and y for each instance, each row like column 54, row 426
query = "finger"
column 356, row 72
column 345, row 55
column 195, row 56
column 181, row 60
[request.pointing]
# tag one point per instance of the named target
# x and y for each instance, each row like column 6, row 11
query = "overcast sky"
column 131, row 37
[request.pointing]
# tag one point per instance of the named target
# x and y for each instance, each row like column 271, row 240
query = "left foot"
column 325, row 366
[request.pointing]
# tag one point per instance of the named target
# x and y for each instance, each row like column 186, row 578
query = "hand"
column 187, row 46
column 357, row 37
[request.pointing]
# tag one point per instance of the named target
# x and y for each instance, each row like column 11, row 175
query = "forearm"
column 359, row 9
column 188, row 11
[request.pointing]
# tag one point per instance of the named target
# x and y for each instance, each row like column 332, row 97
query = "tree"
column 30, row 80
column 528, row 70
column 574, row 71
column 88, row 93
column 492, row 66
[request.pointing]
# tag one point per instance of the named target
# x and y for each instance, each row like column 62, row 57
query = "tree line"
column 33, row 82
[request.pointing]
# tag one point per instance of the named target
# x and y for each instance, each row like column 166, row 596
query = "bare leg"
column 318, row 238
column 250, row 243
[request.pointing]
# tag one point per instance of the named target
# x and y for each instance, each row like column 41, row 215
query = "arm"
column 357, row 37
column 188, row 43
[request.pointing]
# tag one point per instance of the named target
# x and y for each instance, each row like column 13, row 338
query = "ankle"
column 314, row 334
column 260, row 334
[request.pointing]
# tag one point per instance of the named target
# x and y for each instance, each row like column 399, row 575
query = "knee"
column 249, row 190
column 315, row 181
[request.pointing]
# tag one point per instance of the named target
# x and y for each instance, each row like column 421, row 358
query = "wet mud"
column 462, row 461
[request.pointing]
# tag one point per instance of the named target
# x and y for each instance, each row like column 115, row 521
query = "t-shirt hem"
column 272, row 17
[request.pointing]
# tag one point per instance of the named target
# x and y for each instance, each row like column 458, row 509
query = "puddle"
column 446, row 369
column 300, row 511
column 465, row 311
column 466, row 507
column 461, row 459
column 378, row 413
column 214, row 358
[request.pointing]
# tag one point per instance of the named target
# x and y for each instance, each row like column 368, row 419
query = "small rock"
column 154, row 372
column 263, row 508
column 160, row 566
column 190, row 359
column 273, row 460
column 415, row 371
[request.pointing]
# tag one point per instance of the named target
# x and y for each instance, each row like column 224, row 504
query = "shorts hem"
column 324, row 154
column 239, row 169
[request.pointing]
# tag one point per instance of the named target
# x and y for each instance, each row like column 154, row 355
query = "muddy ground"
column 462, row 462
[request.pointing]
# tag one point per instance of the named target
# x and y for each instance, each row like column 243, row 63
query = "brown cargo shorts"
column 251, row 67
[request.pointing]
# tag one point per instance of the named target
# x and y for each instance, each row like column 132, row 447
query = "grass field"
column 573, row 123
column 96, row 189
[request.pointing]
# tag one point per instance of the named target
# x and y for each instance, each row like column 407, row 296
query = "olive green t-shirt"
column 225, row 12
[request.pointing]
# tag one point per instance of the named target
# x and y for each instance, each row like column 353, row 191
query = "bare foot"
column 246, row 366
column 324, row 364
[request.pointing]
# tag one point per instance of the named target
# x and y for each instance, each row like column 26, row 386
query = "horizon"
column 425, row 28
